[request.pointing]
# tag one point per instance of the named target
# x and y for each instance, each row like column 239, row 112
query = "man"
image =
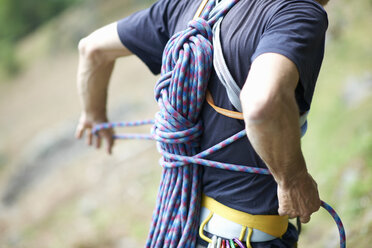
column 273, row 50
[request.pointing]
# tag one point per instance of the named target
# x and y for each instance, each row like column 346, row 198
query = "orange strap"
column 222, row 111
column 225, row 112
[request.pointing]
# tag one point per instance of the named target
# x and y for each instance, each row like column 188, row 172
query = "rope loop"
column 185, row 136
column 202, row 26
column 186, row 66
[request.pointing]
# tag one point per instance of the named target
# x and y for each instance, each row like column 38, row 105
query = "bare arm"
column 271, row 116
column 97, row 55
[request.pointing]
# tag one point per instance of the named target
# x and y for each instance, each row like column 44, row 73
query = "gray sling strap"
column 223, row 73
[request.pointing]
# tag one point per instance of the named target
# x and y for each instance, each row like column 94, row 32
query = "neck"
column 322, row 2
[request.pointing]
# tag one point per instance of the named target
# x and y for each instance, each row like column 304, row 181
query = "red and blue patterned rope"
column 338, row 221
column 180, row 92
column 179, row 160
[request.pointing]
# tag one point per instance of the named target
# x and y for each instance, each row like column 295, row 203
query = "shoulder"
column 177, row 4
column 309, row 11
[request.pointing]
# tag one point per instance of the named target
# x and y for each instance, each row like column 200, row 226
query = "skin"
column 270, row 113
column 323, row 2
column 271, row 117
column 97, row 55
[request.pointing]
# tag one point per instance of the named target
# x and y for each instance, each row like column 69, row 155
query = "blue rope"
column 180, row 92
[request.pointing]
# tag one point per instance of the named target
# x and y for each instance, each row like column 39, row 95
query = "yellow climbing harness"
column 273, row 225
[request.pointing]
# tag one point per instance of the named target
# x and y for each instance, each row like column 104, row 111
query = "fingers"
column 299, row 200
column 110, row 144
column 291, row 214
column 98, row 141
column 293, row 210
column 105, row 135
column 89, row 138
column 281, row 212
column 79, row 131
column 81, row 128
column 109, row 140
column 305, row 219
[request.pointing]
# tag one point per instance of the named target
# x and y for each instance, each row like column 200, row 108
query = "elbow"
column 259, row 108
column 89, row 50
column 82, row 46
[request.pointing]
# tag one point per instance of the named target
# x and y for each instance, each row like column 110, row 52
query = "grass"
column 338, row 149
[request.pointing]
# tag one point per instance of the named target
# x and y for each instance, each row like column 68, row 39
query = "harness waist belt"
column 229, row 223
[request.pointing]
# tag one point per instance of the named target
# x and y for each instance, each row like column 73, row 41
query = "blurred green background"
column 56, row 192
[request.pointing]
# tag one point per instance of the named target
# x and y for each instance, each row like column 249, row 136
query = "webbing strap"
column 223, row 73
column 226, row 79
column 239, row 116
column 274, row 225
column 222, row 111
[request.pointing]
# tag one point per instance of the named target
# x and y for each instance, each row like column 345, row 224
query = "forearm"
column 276, row 138
column 97, row 55
column 93, row 80
column 271, row 116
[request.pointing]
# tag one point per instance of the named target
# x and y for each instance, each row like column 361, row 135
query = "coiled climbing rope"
column 180, row 93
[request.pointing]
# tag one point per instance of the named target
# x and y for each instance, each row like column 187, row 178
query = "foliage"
column 339, row 145
column 20, row 17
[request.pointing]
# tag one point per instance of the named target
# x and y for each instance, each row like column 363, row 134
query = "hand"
column 300, row 198
column 86, row 124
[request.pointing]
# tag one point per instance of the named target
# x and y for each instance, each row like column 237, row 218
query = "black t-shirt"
column 293, row 28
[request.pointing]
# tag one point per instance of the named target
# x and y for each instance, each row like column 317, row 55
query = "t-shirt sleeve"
column 145, row 33
column 297, row 31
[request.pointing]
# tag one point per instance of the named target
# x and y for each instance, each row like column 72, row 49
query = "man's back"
column 293, row 28
column 273, row 50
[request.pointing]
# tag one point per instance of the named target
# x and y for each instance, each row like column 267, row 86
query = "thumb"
column 281, row 211
column 78, row 133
